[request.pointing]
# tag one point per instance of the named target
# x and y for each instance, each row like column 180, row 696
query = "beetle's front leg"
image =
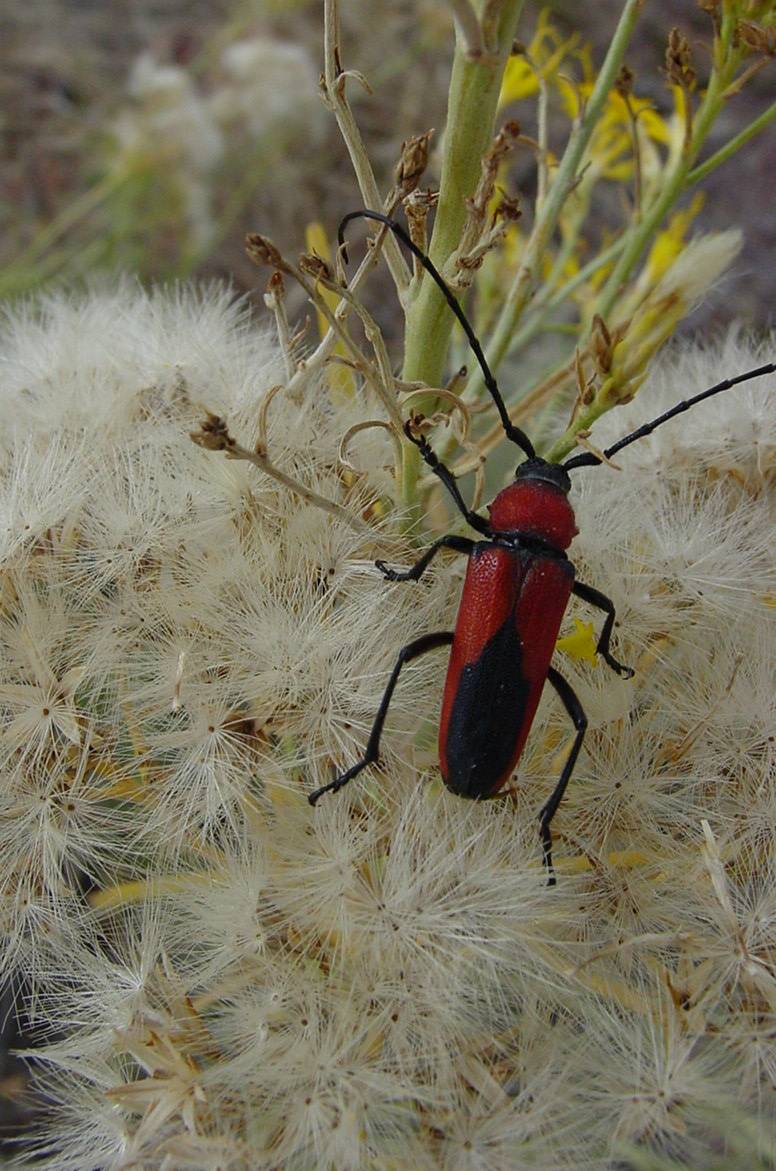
column 599, row 600
column 431, row 458
column 459, row 544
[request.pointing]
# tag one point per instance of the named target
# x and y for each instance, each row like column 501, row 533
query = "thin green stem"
column 541, row 308
column 584, row 274
column 544, row 305
column 583, row 421
column 726, row 62
column 729, row 149
column 548, row 215
column 472, row 102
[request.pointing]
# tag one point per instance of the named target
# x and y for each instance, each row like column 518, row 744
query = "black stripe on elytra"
column 486, row 715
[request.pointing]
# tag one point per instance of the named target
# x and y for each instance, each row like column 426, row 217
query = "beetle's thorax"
column 536, row 504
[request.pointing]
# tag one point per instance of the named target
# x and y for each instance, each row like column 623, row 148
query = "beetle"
column 518, row 584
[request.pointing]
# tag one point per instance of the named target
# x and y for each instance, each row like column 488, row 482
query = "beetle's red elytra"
column 511, row 608
column 510, row 614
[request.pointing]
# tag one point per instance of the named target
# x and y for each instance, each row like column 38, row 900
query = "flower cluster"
column 220, row 976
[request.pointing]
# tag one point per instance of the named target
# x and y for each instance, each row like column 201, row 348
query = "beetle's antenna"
column 587, row 459
column 512, row 432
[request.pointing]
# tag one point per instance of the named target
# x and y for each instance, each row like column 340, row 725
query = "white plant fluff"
column 218, row 976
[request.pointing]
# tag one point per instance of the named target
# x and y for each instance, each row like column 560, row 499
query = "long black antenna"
column 588, row 459
column 512, row 432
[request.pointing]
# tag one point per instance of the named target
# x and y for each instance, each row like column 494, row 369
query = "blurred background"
column 147, row 136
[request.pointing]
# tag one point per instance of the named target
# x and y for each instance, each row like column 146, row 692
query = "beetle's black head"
column 539, row 469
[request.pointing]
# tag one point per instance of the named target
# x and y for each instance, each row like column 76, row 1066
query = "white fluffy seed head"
column 188, row 649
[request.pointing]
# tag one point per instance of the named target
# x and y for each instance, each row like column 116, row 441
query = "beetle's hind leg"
column 575, row 710
column 601, row 602
column 409, row 652
column 459, row 544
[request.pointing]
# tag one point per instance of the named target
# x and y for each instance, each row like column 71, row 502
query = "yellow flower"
column 581, row 644
column 317, row 241
column 542, row 58
column 611, row 146
column 670, row 242
column 340, row 378
column 657, row 309
column 519, row 81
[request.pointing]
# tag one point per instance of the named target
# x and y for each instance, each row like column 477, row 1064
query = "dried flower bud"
column 276, row 285
column 455, row 383
column 263, row 252
column 420, row 202
column 712, row 8
column 623, row 83
column 416, row 208
column 416, row 421
column 601, row 345
column 508, row 208
column 413, row 161
column 315, row 266
column 504, row 140
column 756, row 38
column 585, row 386
column 470, row 251
column 679, row 60
column 213, row 435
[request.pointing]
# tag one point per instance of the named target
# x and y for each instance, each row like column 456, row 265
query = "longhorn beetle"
column 518, row 584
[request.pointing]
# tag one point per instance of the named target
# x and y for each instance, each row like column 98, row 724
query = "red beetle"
column 517, row 587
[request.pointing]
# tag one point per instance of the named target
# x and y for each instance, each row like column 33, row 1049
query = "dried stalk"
column 470, row 27
column 333, row 82
column 214, row 436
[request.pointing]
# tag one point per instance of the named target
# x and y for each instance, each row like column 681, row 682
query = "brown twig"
column 214, row 436
column 333, row 88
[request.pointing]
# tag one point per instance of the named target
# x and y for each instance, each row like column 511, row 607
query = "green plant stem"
column 537, row 322
column 549, row 213
column 726, row 61
column 472, row 102
column 729, row 149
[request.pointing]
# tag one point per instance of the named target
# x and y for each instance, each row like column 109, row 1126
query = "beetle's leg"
column 550, row 808
column 459, row 544
column 448, row 479
column 596, row 598
column 411, row 651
